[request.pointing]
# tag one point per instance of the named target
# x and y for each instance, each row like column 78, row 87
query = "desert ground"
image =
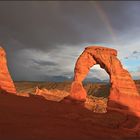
column 36, row 118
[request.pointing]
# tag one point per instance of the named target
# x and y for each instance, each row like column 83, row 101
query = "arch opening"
column 97, row 82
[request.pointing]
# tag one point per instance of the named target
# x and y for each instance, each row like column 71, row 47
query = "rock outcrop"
column 52, row 95
column 6, row 82
column 123, row 92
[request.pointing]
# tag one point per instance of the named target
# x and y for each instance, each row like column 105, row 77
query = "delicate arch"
column 121, row 81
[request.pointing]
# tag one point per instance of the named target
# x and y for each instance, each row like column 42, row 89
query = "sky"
column 43, row 39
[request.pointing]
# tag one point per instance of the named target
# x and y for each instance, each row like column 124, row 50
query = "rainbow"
column 103, row 16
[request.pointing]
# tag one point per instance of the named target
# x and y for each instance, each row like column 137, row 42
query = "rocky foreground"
column 36, row 118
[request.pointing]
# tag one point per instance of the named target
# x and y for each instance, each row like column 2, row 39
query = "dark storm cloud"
column 40, row 25
column 120, row 14
column 44, row 63
column 135, row 54
column 46, row 26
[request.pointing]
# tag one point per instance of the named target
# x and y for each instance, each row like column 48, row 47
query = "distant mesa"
column 65, row 78
column 123, row 90
column 6, row 82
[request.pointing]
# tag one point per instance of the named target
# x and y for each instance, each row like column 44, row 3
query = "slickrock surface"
column 6, row 82
column 123, row 92
column 36, row 118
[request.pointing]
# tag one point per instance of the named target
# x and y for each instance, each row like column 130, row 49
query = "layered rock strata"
column 6, row 82
column 123, row 92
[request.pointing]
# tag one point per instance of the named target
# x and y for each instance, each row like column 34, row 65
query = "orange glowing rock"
column 6, row 82
column 77, row 91
column 53, row 94
column 123, row 89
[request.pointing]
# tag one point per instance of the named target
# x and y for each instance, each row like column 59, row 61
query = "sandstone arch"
column 6, row 82
column 123, row 89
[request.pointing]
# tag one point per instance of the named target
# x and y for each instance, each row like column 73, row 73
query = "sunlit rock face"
column 123, row 90
column 6, row 82
column 52, row 95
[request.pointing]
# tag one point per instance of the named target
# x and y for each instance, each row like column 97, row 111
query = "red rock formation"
column 53, row 94
column 6, row 82
column 123, row 90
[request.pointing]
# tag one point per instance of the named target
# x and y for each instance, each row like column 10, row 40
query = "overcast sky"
column 45, row 38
